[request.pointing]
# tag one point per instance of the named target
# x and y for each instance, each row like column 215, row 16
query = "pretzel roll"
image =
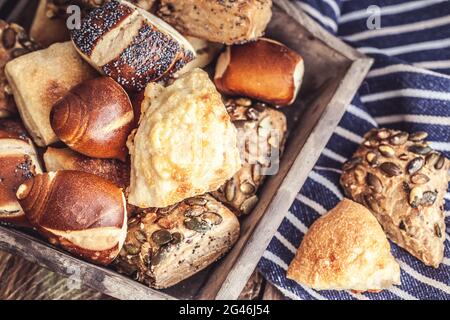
column 81, row 212
column 265, row 70
column 95, row 119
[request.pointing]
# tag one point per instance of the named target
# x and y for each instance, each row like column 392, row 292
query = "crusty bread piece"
column 113, row 170
column 19, row 163
column 261, row 137
column 227, row 21
column 403, row 182
column 185, row 144
column 265, row 69
column 41, row 78
column 165, row 246
column 345, row 249
column 131, row 45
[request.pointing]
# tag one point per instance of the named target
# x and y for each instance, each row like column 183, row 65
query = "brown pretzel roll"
column 403, row 182
column 226, row 21
column 165, row 246
column 81, row 212
column 94, row 118
column 261, row 136
column 265, row 70
column 131, row 45
column 18, row 163
column 14, row 43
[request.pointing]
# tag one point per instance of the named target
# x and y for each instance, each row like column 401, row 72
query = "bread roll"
column 265, row 70
column 205, row 52
column 14, row 43
column 113, row 170
column 345, row 249
column 227, row 21
column 165, row 246
column 261, row 137
column 94, row 118
column 81, row 212
column 19, row 163
column 41, row 78
column 131, row 45
column 185, row 144
column 403, row 182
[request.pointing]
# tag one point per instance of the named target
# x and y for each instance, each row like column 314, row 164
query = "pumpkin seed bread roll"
column 185, row 144
column 403, row 182
column 345, row 249
column 261, row 139
column 167, row 245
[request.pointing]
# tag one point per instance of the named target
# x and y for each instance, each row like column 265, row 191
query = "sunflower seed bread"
column 403, row 182
column 227, row 21
column 261, row 139
column 167, row 245
column 14, row 43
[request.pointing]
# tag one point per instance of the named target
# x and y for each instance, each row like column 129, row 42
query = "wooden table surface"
column 23, row 280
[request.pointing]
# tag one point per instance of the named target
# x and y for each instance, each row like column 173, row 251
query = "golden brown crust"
column 41, row 78
column 81, row 212
column 243, row 70
column 403, row 182
column 94, row 118
column 18, row 164
column 165, row 246
column 345, row 249
column 14, row 42
column 218, row 21
column 261, row 137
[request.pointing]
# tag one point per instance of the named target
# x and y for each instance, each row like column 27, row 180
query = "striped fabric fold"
column 408, row 88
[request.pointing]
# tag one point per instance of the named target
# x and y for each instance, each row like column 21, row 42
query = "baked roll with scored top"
column 80, row 212
column 345, row 249
column 14, row 43
column 113, row 170
column 94, row 118
column 226, row 21
column 265, row 70
column 261, row 139
column 185, row 144
column 131, row 45
column 39, row 79
column 167, row 245
column 403, row 182
column 18, row 163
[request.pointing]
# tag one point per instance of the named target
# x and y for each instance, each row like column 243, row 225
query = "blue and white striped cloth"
column 408, row 88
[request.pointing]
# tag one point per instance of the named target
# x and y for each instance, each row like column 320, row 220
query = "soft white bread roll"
column 81, row 212
column 205, row 51
column 165, row 246
column 131, row 45
column 265, row 70
column 185, row 144
column 345, row 249
column 41, row 78
column 226, row 21
column 18, row 163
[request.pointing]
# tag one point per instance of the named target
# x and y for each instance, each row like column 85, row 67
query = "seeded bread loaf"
column 403, row 182
column 14, row 43
column 18, row 163
column 261, row 138
column 41, row 78
column 131, row 45
column 167, row 245
column 228, row 21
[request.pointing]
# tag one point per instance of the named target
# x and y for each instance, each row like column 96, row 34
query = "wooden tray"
column 333, row 73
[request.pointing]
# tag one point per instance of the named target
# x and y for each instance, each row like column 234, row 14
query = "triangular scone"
column 345, row 249
column 185, row 145
column 403, row 182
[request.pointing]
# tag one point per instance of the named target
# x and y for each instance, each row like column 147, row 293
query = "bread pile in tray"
column 117, row 146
